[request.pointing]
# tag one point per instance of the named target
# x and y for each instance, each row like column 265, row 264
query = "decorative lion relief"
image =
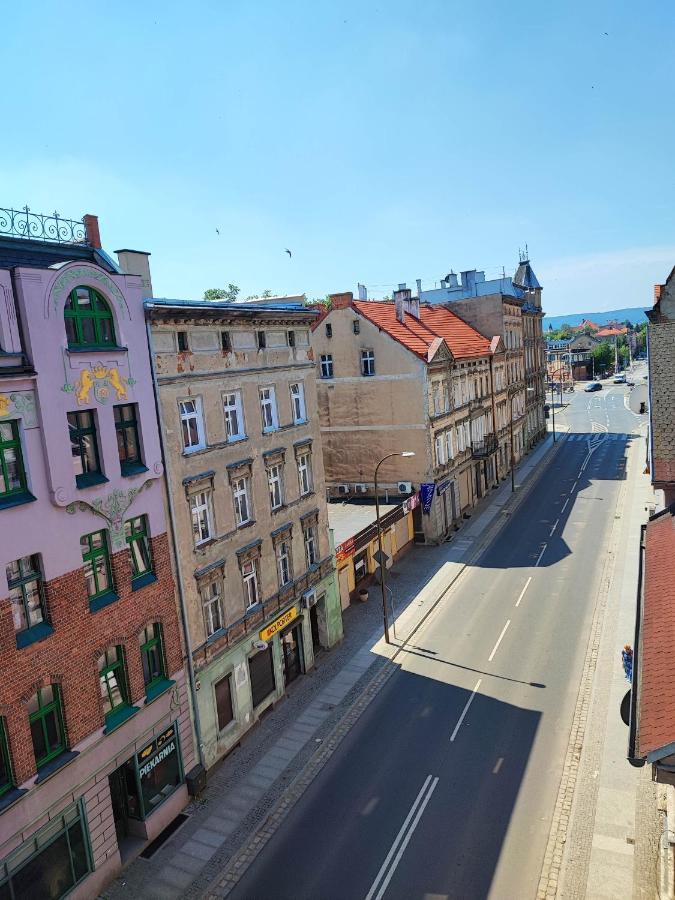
column 100, row 380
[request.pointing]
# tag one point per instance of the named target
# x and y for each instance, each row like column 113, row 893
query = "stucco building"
column 404, row 376
column 236, row 387
column 95, row 730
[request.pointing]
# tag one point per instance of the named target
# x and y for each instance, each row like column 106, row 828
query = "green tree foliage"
column 228, row 293
column 603, row 355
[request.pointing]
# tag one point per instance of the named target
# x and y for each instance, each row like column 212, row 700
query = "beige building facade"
column 236, row 389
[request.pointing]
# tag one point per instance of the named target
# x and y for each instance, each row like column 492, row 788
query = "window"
column 360, row 566
column 261, row 673
column 326, row 365
column 51, row 862
column 367, row 362
column 26, row 592
column 291, row 339
column 450, row 441
column 284, row 563
column 224, row 708
column 84, row 448
column 212, row 604
column 356, row 326
column 305, row 474
column 152, row 656
column 112, row 679
column 128, row 445
column 298, row 403
column 96, row 559
column 275, row 480
column 242, row 506
column 200, row 509
column 46, row 724
column 225, row 341
column 268, row 409
column 137, row 536
column 182, row 341
column 192, row 424
column 12, row 473
column 441, row 458
column 234, row 416
column 311, row 548
column 446, row 397
column 261, row 339
column 249, row 574
column 329, row 330
column 88, row 320
column 6, row 779
column 435, row 399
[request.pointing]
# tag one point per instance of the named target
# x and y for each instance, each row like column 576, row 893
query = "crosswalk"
column 598, row 438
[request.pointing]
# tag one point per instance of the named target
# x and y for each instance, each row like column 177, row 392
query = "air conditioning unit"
column 309, row 599
column 343, row 488
column 361, row 488
column 405, row 487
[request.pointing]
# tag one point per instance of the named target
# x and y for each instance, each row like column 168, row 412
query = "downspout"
column 634, row 688
column 174, row 539
column 650, row 441
column 491, row 359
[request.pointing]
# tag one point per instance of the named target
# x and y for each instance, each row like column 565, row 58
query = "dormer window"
column 88, row 319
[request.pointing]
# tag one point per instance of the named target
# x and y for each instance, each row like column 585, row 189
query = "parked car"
column 593, row 386
column 620, row 378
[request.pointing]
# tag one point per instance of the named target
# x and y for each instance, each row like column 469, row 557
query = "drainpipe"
column 491, row 360
column 174, row 539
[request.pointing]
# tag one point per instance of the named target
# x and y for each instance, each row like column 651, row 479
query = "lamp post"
column 512, row 394
column 553, row 408
column 379, row 540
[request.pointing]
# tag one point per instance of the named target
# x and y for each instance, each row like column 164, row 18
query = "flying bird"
column 289, row 253
column 217, row 232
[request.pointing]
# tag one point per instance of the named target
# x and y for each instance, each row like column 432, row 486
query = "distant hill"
column 634, row 314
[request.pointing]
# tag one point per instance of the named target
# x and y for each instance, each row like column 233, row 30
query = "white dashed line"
column 499, row 640
column 522, row 593
column 543, row 550
column 465, row 710
column 564, row 505
column 498, row 765
column 555, row 525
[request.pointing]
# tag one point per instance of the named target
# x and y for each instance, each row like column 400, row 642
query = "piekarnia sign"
column 152, row 755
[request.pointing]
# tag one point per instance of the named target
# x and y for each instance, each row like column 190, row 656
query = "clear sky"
column 380, row 141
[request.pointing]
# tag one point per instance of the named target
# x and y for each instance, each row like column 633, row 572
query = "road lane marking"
column 564, row 505
column 555, row 525
column 522, row 593
column 499, row 640
column 575, row 484
column 465, row 710
column 498, row 765
column 402, row 839
column 543, row 550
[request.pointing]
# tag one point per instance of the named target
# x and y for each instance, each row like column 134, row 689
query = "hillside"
column 634, row 314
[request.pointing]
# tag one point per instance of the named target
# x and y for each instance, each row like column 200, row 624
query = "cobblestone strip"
column 553, row 856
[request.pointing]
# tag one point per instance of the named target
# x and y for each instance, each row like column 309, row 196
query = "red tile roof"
column 656, row 711
column 610, row 332
column 419, row 335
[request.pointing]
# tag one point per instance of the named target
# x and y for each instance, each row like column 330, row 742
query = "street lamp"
column 379, row 540
column 512, row 394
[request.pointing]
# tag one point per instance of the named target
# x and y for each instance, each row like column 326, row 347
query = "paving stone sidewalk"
column 244, row 789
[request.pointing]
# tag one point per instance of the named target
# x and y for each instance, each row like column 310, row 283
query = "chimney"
column 363, row 292
column 136, row 262
column 406, row 303
column 450, row 280
column 418, row 282
column 91, row 231
column 341, row 301
column 469, row 279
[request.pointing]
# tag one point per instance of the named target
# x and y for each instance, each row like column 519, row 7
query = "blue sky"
column 380, row 141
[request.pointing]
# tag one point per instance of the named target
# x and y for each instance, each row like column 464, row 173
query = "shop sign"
column 283, row 620
column 345, row 549
column 152, row 755
column 411, row 503
column 427, row 492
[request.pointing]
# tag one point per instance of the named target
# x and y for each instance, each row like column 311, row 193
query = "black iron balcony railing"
column 486, row 447
column 23, row 223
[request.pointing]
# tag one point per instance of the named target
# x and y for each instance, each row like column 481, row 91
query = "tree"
column 603, row 355
column 228, row 293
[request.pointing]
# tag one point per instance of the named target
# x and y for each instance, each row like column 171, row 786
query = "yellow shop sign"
column 279, row 623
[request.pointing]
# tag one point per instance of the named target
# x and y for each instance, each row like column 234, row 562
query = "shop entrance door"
column 291, row 647
column 118, row 797
column 314, row 622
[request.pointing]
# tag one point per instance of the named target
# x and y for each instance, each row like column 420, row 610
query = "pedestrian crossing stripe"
column 596, row 438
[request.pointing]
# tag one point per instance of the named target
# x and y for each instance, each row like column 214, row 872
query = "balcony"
column 486, row 447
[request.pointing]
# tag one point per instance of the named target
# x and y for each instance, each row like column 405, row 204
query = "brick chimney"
column 341, row 301
column 91, row 231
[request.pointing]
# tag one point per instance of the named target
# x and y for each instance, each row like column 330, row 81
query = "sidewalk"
column 244, row 789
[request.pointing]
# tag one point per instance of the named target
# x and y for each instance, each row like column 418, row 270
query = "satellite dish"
column 260, row 645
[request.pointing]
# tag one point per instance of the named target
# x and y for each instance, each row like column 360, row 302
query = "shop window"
column 12, row 472
column 159, row 770
column 360, row 566
column 88, row 320
column 223, row 689
column 51, row 862
column 46, row 724
column 84, row 448
column 261, row 672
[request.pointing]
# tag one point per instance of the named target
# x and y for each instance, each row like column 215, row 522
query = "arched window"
column 89, row 322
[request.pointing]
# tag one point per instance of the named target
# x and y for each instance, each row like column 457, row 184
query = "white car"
column 620, row 378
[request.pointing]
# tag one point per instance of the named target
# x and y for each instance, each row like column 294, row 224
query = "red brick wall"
column 69, row 656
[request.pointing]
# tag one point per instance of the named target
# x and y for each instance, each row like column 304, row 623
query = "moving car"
column 620, row 378
column 593, row 386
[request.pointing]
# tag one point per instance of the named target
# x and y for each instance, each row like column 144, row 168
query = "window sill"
column 129, row 469
column 237, row 439
column 212, row 638
column 54, row 765
column 10, row 797
column 153, row 691
column 143, row 580
column 271, row 429
column 16, row 499
column 102, row 601
column 116, row 719
column 98, row 348
column 244, row 525
column 200, row 448
column 33, row 635
column 90, row 480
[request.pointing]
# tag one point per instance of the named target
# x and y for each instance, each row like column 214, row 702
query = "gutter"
column 634, row 760
column 174, row 539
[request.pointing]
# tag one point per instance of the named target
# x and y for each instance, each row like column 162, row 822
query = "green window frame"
column 137, row 536
column 97, row 566
column 12, row 470
column 84, row 448
column 6, row 777
column 45, row 714
column 128, row 443
column 113, row 680
column 152, row 655
column 88, row 320
column 26, row 592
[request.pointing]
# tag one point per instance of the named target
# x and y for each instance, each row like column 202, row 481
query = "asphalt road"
column 445, row 787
